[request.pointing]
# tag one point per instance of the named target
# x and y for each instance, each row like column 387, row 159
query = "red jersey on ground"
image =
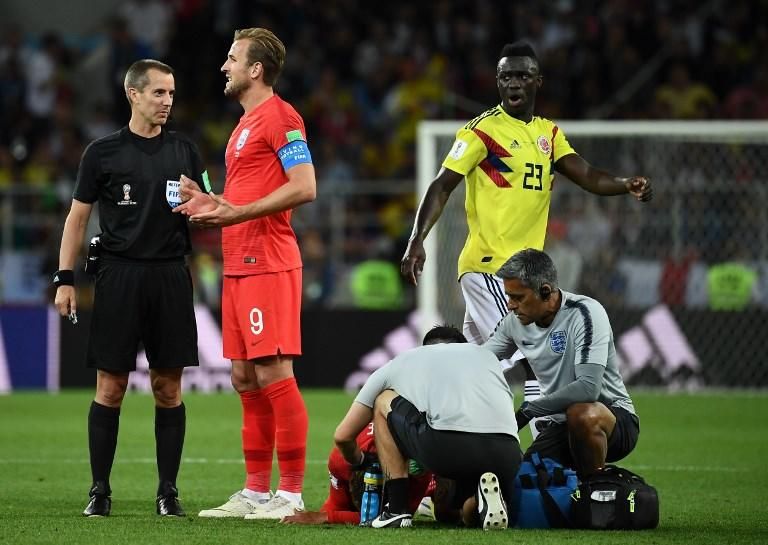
column 339, row 504
column 267, row 244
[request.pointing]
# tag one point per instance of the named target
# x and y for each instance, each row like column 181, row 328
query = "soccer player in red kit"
column 342, row 506
column 269, row 172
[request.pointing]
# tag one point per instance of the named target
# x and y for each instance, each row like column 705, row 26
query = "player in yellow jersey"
column 509, row 158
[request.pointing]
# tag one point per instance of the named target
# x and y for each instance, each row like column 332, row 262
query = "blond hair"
column 265, row 48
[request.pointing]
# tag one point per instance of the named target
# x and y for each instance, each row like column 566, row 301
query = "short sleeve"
column 375, row 384
column 198, row 168
column 466, row 153
column 88, row 176
column 288, row 138
column 560, row 145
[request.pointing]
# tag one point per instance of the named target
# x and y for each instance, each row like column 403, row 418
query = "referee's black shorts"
column 553, row 441
column 142, row 302
column 462, row 456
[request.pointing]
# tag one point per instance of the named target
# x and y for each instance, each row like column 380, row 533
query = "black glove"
column 366, row 460
column 523, row 415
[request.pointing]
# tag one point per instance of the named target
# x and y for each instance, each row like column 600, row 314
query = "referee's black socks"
column 103, row 424
column 170, row 426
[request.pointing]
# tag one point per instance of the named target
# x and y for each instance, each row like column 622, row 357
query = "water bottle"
column 370, row 504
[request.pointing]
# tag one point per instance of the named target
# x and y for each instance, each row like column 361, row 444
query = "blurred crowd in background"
column 362, row 75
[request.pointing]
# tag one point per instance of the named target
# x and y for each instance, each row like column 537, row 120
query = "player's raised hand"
column 640, row 187
column 413, row 261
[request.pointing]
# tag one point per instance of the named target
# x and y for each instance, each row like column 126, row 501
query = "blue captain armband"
column 294, row 153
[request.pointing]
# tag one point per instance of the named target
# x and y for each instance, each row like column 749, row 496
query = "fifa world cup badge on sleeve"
column 172, row 193
column 458, row 149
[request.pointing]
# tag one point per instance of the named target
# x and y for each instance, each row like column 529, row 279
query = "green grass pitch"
column 706, row 453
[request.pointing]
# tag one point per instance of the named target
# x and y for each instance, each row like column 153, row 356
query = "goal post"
column 427, row 164
column 710, row 206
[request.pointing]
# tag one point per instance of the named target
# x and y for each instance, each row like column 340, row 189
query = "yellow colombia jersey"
column 509, row 169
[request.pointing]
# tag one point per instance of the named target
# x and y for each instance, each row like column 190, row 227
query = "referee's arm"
column 74, row 231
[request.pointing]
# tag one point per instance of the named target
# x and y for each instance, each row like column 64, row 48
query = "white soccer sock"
column 531, row 392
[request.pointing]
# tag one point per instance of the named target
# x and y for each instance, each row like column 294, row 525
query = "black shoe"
column 168, row 501
column 100, row 503
column 169, row 506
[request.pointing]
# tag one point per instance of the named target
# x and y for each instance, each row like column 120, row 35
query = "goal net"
column 683, row 277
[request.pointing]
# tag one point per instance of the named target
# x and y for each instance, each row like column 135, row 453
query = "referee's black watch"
column 64, row 277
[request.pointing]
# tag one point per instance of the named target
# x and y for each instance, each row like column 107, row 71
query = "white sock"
column 258, row 497
column 293, row 497
column 531, row 392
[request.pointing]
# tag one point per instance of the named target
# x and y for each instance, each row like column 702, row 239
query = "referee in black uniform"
column 143, row 285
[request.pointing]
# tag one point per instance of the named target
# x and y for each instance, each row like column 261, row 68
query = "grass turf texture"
column 705, row 453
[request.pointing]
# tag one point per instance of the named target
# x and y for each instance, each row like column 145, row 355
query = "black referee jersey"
column 127, row 175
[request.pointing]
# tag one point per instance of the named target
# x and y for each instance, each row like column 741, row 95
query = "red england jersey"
column 339, row 506
column 254, row 170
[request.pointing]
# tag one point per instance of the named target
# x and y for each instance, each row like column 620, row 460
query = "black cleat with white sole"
column 390, row 520
column 490, row 503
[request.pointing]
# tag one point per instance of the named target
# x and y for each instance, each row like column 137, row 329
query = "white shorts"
column 485, row 305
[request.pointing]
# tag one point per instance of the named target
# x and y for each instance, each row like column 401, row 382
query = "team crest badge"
column 172, row 193
column 557, row 340
column 242, row 138
column 543, row 143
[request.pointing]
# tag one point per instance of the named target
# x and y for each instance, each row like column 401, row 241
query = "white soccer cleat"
column 389, row 520
column 275, row 509
column 490, row 504
column 425, row 510
column 238, row 506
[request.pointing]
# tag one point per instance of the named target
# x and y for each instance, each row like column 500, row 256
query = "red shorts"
column 260, row 315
